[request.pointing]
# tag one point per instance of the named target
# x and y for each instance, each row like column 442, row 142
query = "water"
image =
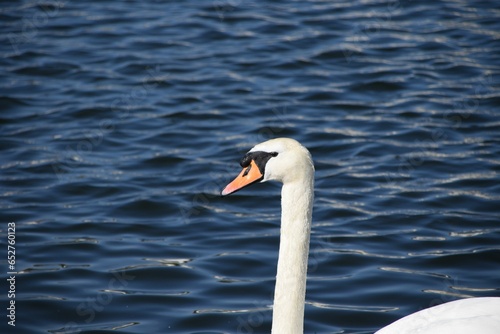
column 122, row 121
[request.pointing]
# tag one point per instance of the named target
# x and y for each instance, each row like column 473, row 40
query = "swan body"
column 287, row 161
column 463, row 316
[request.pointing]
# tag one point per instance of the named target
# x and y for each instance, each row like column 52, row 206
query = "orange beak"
column 248, row 175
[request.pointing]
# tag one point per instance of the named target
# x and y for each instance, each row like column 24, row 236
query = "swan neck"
column 289, row 296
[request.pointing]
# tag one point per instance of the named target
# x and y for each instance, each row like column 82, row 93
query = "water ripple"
column 121, row 122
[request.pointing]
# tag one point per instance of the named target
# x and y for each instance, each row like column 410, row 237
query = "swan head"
column 281, row 159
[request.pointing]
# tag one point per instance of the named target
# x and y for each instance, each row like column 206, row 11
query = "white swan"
column 287, row 161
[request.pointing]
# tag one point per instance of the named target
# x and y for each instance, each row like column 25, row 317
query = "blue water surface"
column 121, row 121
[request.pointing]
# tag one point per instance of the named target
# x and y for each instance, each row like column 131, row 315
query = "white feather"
column 293, row 167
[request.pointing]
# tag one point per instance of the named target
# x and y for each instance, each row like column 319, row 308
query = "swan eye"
column 260, row 158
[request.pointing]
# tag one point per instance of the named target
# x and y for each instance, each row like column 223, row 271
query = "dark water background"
column 122, row 120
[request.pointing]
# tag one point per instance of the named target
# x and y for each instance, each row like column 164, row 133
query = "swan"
column 287, row 161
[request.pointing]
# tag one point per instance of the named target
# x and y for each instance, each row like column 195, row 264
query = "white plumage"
column 287, row 161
